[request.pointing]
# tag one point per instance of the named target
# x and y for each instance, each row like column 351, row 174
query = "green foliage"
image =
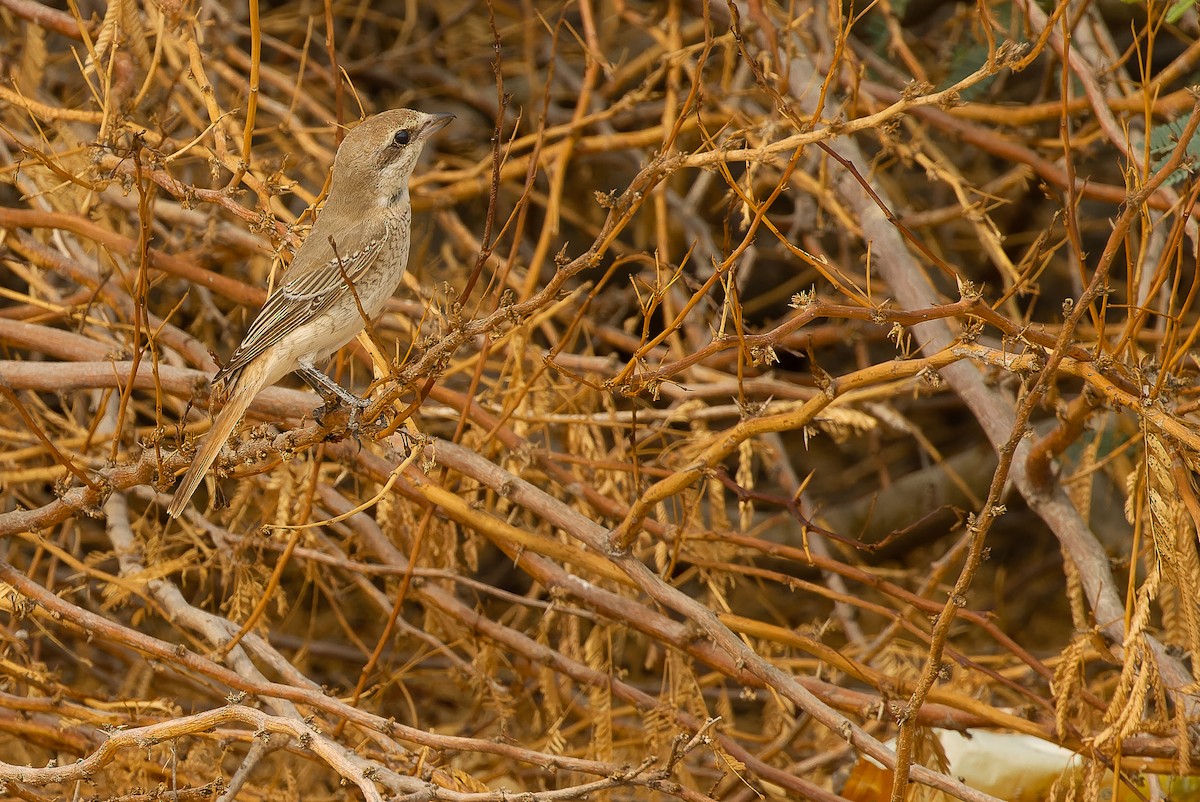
column 1163, row 140
column 1178, row 9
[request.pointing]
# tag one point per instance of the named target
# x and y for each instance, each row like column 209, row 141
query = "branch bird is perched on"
column 364, row 226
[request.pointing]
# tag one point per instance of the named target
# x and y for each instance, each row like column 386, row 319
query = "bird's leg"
column 332, row 392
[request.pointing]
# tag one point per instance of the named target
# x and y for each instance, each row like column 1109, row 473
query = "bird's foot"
column 334, row 396
column 356, row 410
column 322, row 414
column 328, row 416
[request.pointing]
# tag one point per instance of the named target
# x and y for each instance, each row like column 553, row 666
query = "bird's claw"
column 355, row 425
column 332, row 404
column 356, row 410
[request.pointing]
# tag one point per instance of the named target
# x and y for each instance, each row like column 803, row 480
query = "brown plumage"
column 365, row 225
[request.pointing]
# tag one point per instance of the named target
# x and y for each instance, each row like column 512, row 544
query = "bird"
column 342, row 276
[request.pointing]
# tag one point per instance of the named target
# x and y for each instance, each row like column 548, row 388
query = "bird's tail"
column 223, row 426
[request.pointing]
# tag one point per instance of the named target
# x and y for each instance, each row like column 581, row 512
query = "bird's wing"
column 301, row 299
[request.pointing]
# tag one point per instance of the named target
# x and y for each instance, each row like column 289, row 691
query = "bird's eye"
column 402, row 137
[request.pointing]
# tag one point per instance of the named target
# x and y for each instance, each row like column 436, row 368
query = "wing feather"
column 298, row 301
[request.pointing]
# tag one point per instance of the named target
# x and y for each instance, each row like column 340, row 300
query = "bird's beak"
column 436, row 122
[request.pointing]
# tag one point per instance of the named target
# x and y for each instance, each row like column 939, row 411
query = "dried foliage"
column 788, row 380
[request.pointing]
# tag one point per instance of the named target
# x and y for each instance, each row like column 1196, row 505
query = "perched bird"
column 342, row 276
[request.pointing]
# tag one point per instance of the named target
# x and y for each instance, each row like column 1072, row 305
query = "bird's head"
column 377, row 157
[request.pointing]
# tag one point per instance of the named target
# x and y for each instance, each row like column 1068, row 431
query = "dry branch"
column 713, row 312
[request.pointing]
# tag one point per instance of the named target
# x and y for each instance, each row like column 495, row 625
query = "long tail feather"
column 223, row 425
